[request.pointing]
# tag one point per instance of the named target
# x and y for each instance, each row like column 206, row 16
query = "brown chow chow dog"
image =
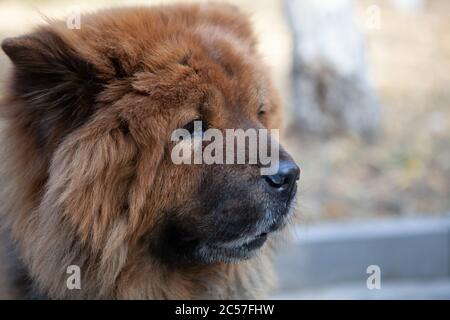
column 87, row 174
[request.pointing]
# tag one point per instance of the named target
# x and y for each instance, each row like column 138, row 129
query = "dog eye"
column 261, row 111
column 191, row 126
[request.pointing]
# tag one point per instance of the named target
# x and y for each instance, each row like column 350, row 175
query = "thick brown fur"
column 86, row 160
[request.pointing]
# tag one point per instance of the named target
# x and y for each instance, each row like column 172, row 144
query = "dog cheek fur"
column 79, row 221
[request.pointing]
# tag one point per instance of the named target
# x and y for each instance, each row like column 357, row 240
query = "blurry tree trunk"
column 331, row 90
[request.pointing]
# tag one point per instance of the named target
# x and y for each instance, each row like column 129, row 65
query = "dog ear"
column 55, row 85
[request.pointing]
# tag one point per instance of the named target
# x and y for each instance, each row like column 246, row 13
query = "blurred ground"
column 436, row 289
column 407, row 170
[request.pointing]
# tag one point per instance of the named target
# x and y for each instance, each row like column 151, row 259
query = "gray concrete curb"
column 331, row 253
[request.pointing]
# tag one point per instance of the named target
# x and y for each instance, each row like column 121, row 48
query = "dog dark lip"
column 257, row 242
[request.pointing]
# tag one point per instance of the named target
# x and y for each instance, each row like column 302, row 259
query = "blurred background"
column 366, row 90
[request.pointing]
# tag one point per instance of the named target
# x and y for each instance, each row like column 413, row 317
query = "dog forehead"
column 176, row 57
column 193, row 68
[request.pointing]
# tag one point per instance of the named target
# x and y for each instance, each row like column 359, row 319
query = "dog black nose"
column 284, row 180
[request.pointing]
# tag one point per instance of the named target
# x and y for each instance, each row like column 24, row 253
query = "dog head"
column 98, row 107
